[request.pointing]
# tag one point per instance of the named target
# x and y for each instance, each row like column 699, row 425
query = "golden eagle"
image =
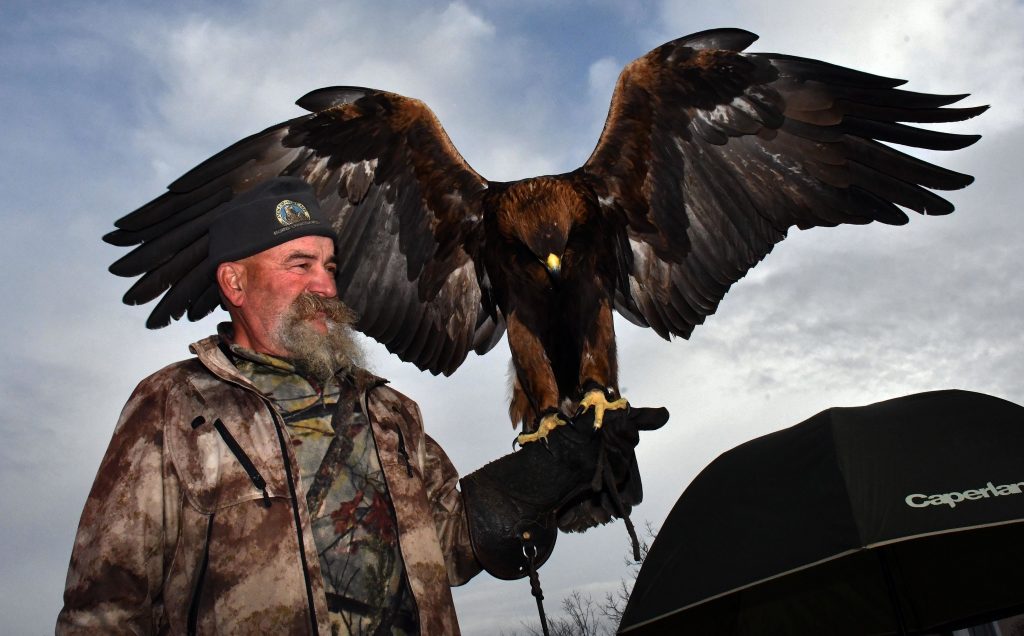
column 708, row 156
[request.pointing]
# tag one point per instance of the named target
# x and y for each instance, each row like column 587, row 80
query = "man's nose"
column 323, row 283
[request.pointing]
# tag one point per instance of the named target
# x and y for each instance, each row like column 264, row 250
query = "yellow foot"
column 595, row 398
column 547, row 424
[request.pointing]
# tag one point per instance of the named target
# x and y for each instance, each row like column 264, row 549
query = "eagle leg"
column 535, row 391
column 548, row 423
column 598, row 365
column 596, row 399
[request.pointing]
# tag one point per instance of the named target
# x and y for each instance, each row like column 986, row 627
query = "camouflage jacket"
column 178, row 536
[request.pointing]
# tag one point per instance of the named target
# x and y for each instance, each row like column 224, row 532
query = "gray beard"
column 315, row 354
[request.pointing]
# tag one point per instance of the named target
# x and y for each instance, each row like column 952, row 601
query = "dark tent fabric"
column 904, row 515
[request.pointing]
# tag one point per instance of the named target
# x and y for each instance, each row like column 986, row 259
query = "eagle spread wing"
column 710, row 155
column 405, row 204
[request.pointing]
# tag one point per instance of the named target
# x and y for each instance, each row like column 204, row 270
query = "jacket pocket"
column 250, row 469
column 222, row 459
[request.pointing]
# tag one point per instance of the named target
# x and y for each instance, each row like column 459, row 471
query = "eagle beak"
column 554, row 264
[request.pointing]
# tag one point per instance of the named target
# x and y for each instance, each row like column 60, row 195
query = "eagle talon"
column 547, row 424
column 596, row 398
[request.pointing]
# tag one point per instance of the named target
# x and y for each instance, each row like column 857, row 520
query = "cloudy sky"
column 104, row 103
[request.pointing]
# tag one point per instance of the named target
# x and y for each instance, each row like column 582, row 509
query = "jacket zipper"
column 364, row 401
column 197, row 592
column 298, row 522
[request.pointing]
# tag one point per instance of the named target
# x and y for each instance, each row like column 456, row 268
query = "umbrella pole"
column 890, row 587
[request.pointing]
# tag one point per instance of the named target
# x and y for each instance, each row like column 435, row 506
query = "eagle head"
column 540, row 213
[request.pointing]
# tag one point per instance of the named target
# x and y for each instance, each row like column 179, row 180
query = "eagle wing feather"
column 405, row 204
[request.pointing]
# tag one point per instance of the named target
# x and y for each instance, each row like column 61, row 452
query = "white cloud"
column 602, row 75
column 226, row 77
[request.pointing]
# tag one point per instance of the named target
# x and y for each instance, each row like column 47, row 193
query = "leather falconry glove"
column 516, row 504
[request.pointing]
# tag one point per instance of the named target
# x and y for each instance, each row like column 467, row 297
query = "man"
column 270, row 485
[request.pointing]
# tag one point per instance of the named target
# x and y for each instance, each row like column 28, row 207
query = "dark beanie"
column 269, row 214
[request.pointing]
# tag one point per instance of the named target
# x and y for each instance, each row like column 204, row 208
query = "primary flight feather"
column 708, row 156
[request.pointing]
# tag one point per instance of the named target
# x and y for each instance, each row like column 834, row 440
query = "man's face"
column 271, row 281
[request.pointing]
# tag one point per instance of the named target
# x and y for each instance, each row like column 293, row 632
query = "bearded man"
column 271, row 485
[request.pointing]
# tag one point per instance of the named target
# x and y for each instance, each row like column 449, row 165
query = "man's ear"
column 231, row 280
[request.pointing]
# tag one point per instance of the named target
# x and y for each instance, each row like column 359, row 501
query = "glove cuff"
column 503, row 529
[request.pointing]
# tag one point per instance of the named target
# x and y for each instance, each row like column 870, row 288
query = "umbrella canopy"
column 898, row 517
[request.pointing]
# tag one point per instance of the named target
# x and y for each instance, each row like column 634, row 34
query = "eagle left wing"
column 709, row 155
column 405, row 204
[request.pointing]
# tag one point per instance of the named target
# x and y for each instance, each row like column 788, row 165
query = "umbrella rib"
column 912, row 537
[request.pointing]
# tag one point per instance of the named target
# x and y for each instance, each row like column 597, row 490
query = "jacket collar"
column 212, row 356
